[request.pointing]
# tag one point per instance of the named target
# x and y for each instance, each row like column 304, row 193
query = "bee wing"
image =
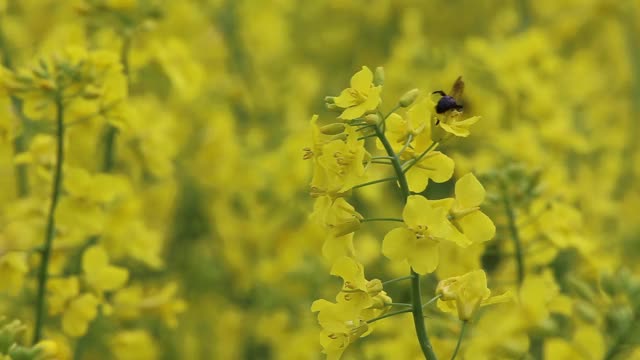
column 458, row 88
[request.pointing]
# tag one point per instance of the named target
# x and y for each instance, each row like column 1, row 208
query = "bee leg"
column 439, row 92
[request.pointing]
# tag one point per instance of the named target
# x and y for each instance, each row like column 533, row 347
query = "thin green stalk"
column 431, row 301
column 515, row 234
column 416, row 297
column 401, row 304
column 412, row 162
column 406, row 145
column 381, row 219
column 366, row 136
column 381, row 162
column 460, row 337
column 396, row 279
column 374, row 182
column 388, row 315
column 51, row 225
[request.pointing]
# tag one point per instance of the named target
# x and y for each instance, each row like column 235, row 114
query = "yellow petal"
column 373, row 99
column 417, row 179
column 437, row 166
column 336, row 247
column 425, row 257
column 347, row 268
column 398, row 244
column 469, row 191
column 477, row 226
column 112, row 278
column 589, row 339
column 362, row 80
column 94, row 259
column 353, row 112
column 345, row 99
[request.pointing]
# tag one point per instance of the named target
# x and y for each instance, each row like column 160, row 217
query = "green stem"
column 396, row 279
column 388, row 315
column 374, row 182
column 51, row 226
column 381, row 219
column 418, row 318
column 515, row 234
column 401, row 304
column 462, row 328
column 406, row 145
column 411, row 163
column 431, row 301
column 416, row 297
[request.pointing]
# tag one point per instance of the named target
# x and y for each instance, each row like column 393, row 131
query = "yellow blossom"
column 361, row 97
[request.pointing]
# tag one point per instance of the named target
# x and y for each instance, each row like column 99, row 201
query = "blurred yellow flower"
column 466, row 294
column 99, row 274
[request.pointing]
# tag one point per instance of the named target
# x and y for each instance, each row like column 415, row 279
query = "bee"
column 448, row 102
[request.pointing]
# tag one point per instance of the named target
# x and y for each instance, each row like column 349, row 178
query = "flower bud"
column 332, row 129
column 372, row 119
column 466, row 309
column 586, row 311
column 342, row 137
column 381, row 301
column 333, row 107
column 378, row 76
column 22, row 353
column 448, row 289
column 374, row 287
column 409, row 97
column 345, row 227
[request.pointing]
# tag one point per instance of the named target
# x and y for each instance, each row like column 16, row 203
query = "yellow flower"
column 13, row 268
column 344, row 162
column 134, row 345
column 99, row 274
column 587, row 343
column 451, row 122
column 417, row 242
column 342, row 324
column 435, row 166
column 342, row 218
column 465, row 294
column 60, row 291
column 469, row 223
column 80, row 312
column 361, row 97
column 356, row 288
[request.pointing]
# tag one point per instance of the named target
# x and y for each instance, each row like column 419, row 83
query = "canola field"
column 331, row 179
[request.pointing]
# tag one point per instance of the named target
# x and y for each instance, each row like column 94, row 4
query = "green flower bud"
column 332, row 129
column 409, row 97
column 22, row 353
column 342, row 137
column 378, row 76
column 374, row 287
column 381, row 301
column 333, row 107
column 586, row 311
column 372, row 119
